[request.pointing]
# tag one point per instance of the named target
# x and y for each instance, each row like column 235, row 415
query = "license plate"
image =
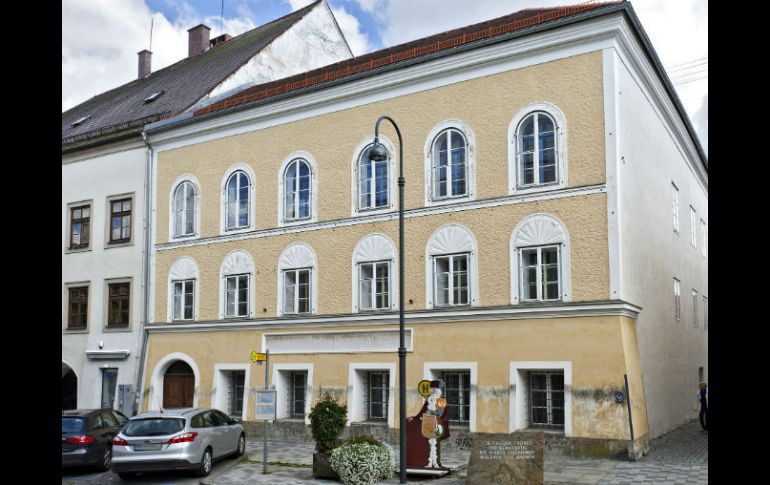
column 147, row 447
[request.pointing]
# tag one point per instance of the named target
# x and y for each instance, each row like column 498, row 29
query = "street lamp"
column 378, row 153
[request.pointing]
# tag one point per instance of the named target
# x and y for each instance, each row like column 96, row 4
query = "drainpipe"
column 146, row 269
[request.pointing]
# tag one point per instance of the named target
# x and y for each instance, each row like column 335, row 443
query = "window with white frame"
column 297, row 186
column 297, row 392
column 705, row 313
column 236, row 380
column 677, row 300
column 546, row 399
column 373, row 182
column 374, row 285
column 183, row 299
column 694, row 308
column 537, row 150
column 449, row 167
column 237, row 195
column 237, row 295
column 693, row 228
column 296, row 291
column 451, row 280
column 539, row 277
column 377, row 390
column 675, row 207
column 237, row 273
column 185, row 201
column 703, row 237
column 457, row 387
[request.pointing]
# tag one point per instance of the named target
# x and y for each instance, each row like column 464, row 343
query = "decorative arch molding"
column 242, row 167
column 237, row 262
column 184, row 268
column 298, row 255
column 561, row 147
column 470, row 144
column 313, row 188
column 375, row 247
column 188, row 177
column 451, row 239
column 355, row 210
column 155, row 394
column 541, row 230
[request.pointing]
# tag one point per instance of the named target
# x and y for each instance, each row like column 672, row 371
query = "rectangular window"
column 78, row 307
column 109, row 383
column 235, row 393
column 120, row 220
column 703, row 237
column 539, row 273
column 546, row 399
column 296, row 291
column 458, row 395
column 297, row 390
column 377, row 409
column 693, row 228
column 450, row 274
column 675, row 198
column 183, row 299
column 80, row 226
column 677, row 300
column 237, row 296
column 118, row 304
column 705, row 313
column 694, row 308
column 374, row 287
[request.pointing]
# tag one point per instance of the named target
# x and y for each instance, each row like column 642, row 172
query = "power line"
column 675, row 66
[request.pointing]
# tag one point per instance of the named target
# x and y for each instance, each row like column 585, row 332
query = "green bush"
column 363, row 460
column 327, row 421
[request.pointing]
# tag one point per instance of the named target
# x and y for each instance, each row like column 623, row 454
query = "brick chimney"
column 198, row 40
column 145, row 58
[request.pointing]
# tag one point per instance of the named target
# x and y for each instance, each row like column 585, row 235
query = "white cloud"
column 351, row 29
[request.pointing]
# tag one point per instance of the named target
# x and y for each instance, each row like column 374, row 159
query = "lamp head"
column 378, row 152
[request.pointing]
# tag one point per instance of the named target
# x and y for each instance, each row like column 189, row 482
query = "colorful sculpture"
column 426, row 430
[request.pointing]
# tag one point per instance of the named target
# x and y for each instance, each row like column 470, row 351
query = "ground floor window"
column 236, row 380
column 297, row 390
column 546, row 399
column 377, row 395
column 457, row 386
column 109, row 383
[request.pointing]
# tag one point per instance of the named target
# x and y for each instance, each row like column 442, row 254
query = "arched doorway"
column 178, row 386
column 69, row 388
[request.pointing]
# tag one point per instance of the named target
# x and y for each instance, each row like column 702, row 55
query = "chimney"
column 220, row 40
column 198, row 40
column 145, row 58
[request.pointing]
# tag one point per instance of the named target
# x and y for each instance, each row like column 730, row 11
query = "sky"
column 100, row 38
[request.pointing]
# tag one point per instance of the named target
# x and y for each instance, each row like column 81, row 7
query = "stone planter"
column 322, row 468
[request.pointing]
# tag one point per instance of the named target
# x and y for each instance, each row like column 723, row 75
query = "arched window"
column 373, row 274
column 451, row 271
column 237, row 201
column 373, row 181
column 297, row 280
column 450, row 165
column 237, row 276
column 185, row 209
column 540, row 260
column 297, row 199
column 537, row 154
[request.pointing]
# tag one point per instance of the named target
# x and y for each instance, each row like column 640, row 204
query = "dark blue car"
column 86, row 437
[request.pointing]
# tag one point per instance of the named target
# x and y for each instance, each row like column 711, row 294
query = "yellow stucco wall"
column 593, row 345
column 634, row 371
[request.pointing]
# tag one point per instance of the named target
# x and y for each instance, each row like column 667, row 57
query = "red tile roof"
column 420, row 47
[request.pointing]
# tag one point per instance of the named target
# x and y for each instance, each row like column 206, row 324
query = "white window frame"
column 448, row 240
column 518, row 391
column 356, row 209
column 237, row 301
column 704, row 238
column 312, row 165
column 237, row 262
column 356, row 411
column 223, row 229
column 705, row 312
column 280, row 384
column 184, row 284
column 675, row 208
column 560, row 127
column 538, row 230
column 677, row 300
column 451, row 258
column 183, row 269
column 375, row 247
column 196, row 210
column 470, row 163
column 694, row 308
column 433, row 370
column 219, row 398
column 373, row 295
column 539, row 273
column 296, row 271
column 298, row 256
column 693, row 227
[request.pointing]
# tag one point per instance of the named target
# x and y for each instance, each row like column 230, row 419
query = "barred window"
column 457, row 385
column 546, row 399
column 297, row 390
column 377, row 386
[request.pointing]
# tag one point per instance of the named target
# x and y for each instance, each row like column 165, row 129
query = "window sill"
column 555, row 432
column 76, row 330
column 449, row 200
column 117, row 329
column 370, row 423
column 183, row 237
column 77, row 250
column 373, row 211
column 531, row 189
column 118, row 244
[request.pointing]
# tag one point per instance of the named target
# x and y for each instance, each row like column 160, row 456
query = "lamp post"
column 378, row 153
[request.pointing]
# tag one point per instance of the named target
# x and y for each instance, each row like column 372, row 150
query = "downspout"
column 146, row 269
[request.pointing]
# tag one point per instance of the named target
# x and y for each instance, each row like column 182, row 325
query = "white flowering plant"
column 363, row 461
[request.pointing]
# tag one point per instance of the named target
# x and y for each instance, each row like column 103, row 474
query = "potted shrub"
column 327, row 421
column 363, row 460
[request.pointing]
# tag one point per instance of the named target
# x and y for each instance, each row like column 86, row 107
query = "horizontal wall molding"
column 474, row 314
column 107, row 354
column 341, row 342
column 391, row 216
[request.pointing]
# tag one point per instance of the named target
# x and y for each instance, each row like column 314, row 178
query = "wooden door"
column 178, row 386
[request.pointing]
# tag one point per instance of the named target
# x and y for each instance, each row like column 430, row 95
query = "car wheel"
column 127, row 475
column 106, row 461
column 205, row 467
column 241, row 446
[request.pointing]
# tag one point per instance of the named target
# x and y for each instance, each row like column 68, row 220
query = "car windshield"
column 153, row 426
column 72, row 425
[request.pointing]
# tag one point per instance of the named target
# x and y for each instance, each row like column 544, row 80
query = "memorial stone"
column 506, row 459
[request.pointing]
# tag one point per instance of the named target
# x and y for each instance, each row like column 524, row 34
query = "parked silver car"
column 176, row 439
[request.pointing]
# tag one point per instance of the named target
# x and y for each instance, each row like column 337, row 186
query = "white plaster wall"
column 313, row 42
column 96, row 179
column 652, row 254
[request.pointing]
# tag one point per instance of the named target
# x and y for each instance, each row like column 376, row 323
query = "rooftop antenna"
column 221, row 18
column 152, row 19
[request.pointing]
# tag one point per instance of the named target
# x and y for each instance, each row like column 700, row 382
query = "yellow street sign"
column 424, row 388
column 257, row 357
